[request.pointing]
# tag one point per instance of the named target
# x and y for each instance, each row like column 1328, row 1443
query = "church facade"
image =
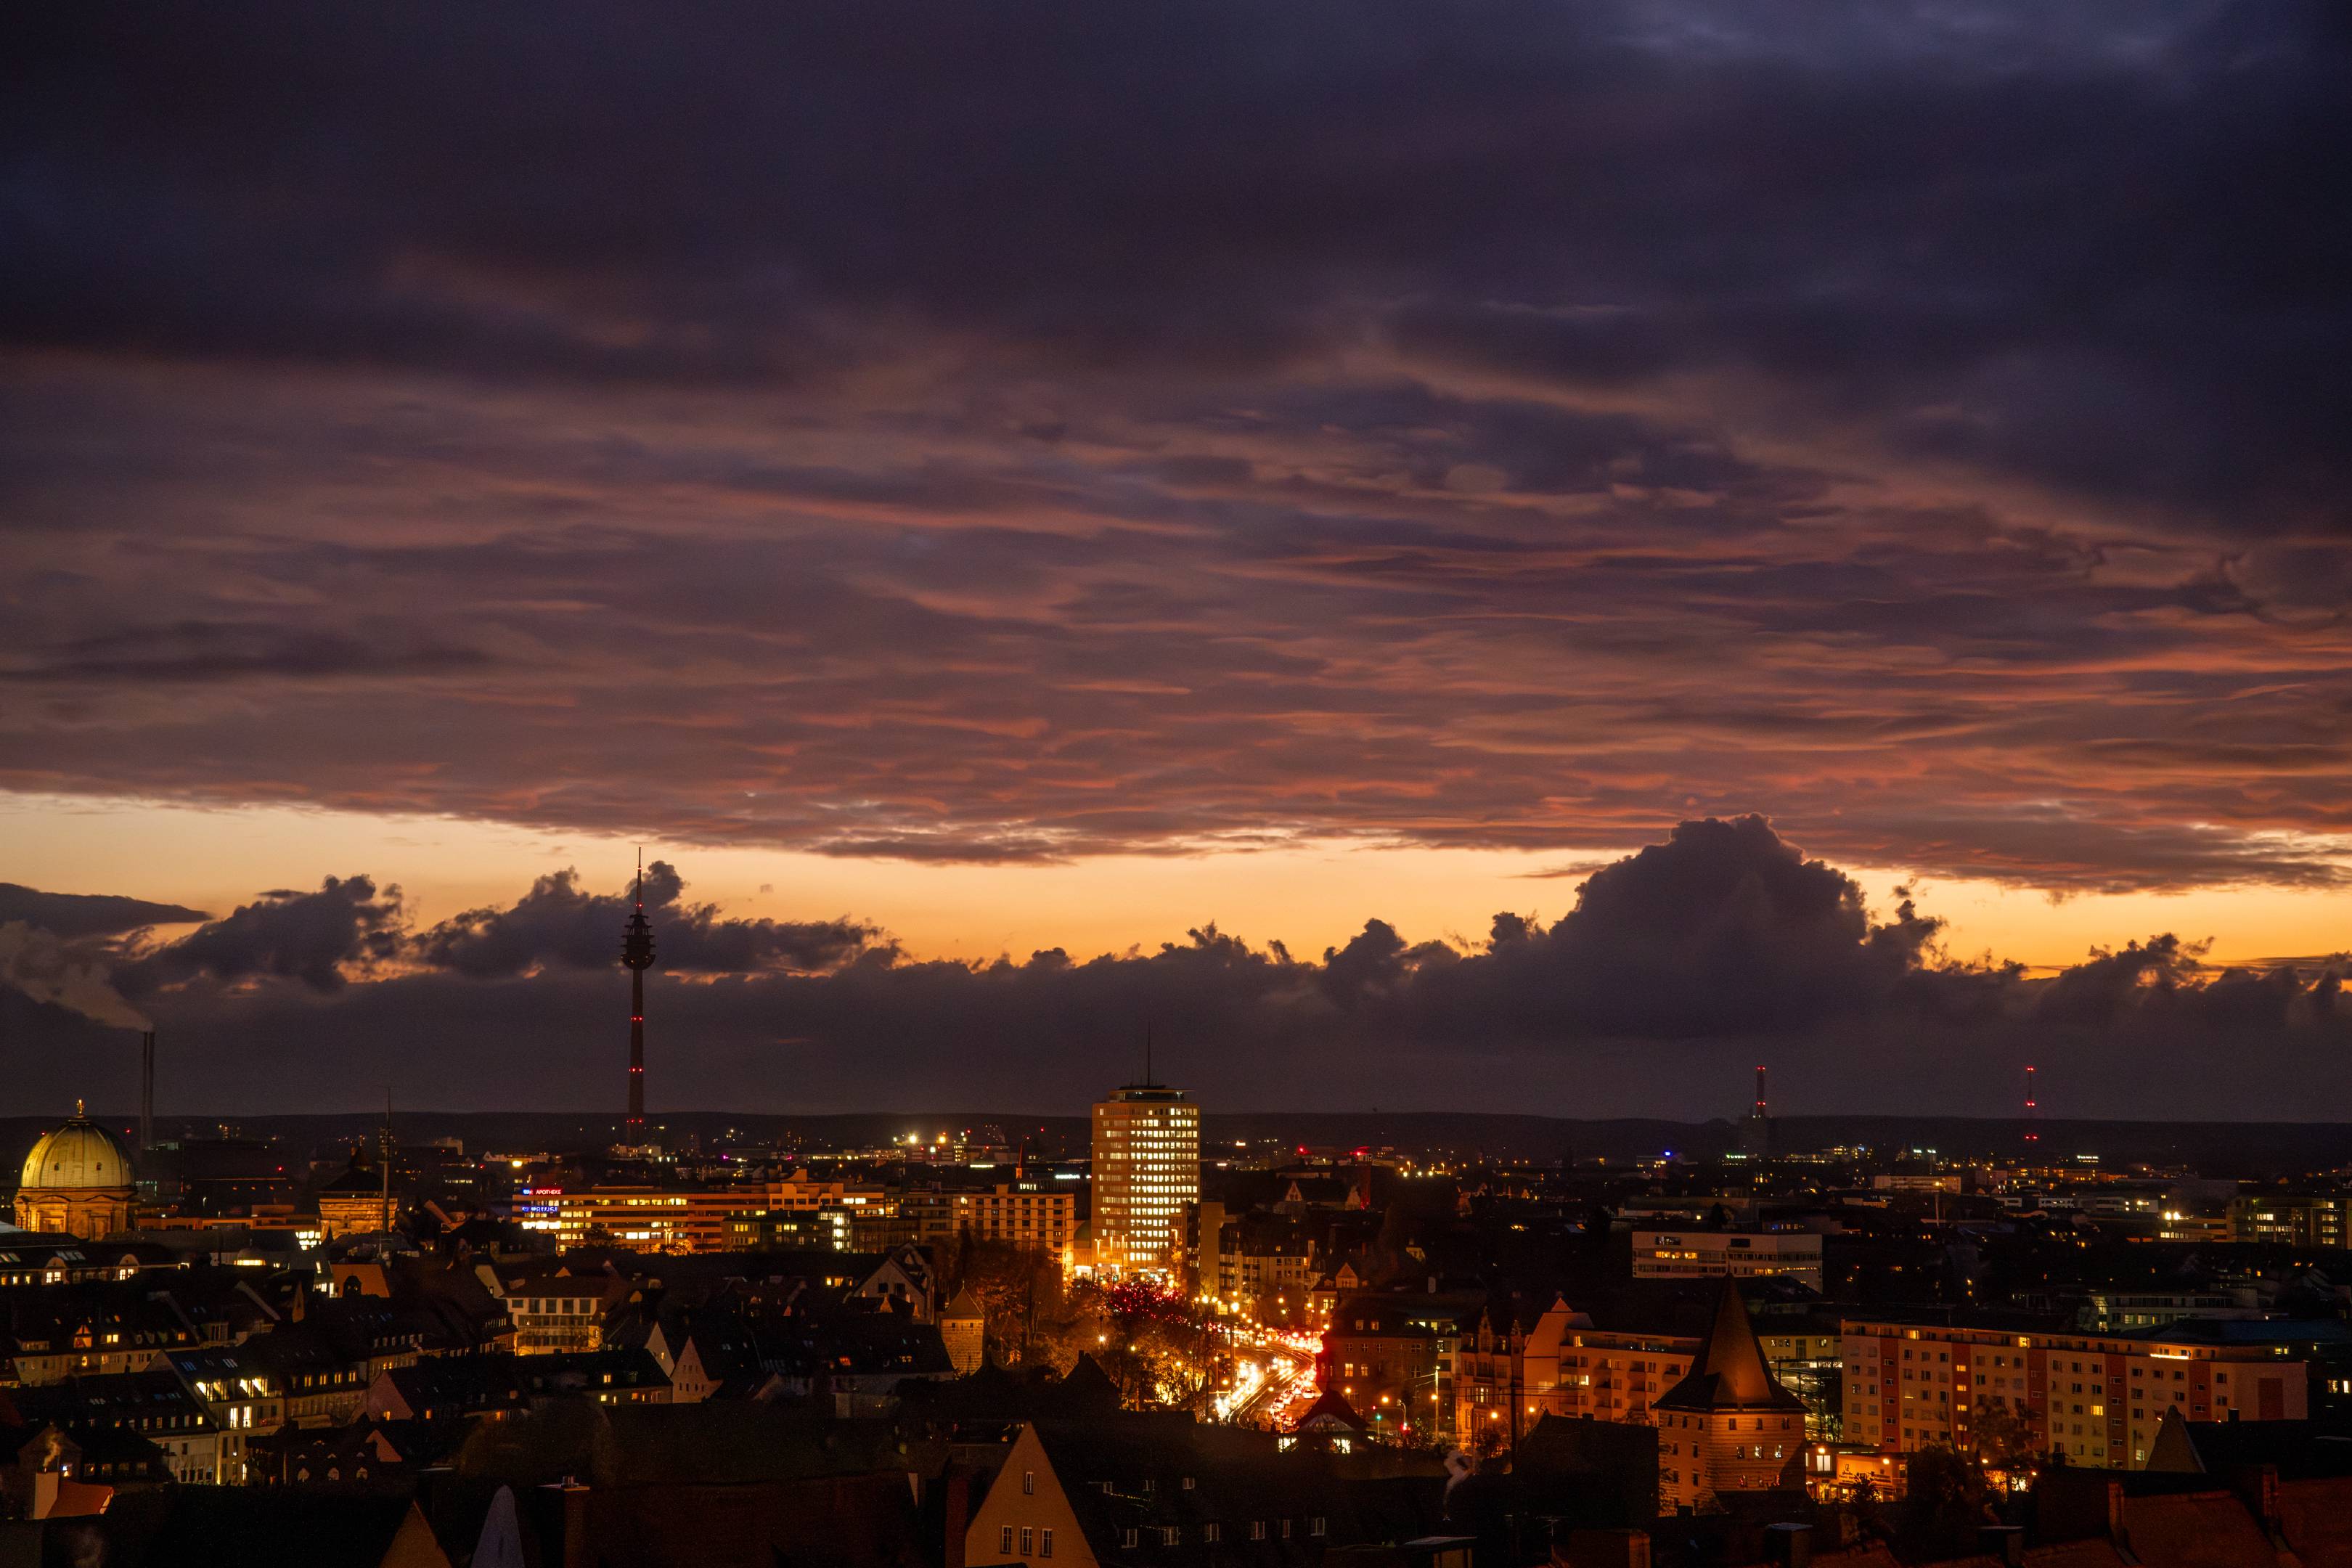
column 76, row 1181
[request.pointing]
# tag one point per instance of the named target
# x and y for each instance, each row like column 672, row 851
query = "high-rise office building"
column 1147, row 1168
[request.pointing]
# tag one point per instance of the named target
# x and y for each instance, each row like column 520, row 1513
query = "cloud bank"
column 1678, row 968
column 1033, row 432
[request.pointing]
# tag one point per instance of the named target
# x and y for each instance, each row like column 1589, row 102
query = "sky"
column 962, row 483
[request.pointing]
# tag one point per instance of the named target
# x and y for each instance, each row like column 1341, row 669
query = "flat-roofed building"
column 1685, row 1254
column 1028, row 1214
column 2289, row 1219
column 644, row 1219
column 1147, row 1169
column 2095, row 1398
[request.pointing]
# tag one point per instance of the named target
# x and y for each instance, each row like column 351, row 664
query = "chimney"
column 577, row 1552
column 146, row 1090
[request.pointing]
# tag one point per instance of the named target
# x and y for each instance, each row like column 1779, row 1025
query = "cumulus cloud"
column 321, row 939
column 73, row 915
column 559, row 923
column 1678, row 967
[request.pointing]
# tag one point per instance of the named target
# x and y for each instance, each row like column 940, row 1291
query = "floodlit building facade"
column 1147, row 1169
column 2097, row 1399
column 76, row 1181
column 1727, row 1426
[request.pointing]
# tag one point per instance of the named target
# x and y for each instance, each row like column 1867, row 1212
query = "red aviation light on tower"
column 2033, row 1134
column 1760, row 1091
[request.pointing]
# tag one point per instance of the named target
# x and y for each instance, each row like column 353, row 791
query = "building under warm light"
column 2097, row 1399
column 644, row 1219
column 1741, row 1254
column 1147, row 1169
column 1511, row 1373
column 76, row 1181
column 1727, row 1427
column 1025, row 1214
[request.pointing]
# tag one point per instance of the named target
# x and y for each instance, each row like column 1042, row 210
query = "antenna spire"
column 637, row 957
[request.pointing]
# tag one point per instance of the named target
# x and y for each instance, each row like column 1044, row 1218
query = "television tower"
column 637, row 953
column 2032, row 1128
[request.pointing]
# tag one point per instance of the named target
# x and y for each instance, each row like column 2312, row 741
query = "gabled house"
column 155, row 1407
column 448, row 1386
column 1162, row 1490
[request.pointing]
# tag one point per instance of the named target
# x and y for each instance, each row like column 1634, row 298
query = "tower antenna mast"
column 637, row 954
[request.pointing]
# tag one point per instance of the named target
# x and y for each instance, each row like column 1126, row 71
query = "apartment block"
column 2095, row 1398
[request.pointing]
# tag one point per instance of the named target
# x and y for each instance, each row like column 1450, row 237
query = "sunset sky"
column 1000, row 479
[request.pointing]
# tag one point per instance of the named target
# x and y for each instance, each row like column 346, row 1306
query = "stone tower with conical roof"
column 1728, row 1427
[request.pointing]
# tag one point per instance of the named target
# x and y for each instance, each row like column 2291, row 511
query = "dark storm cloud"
column 557, row 923
column 1023, row 433
column 73, row 915
column 316, row 939
column 1678, row 967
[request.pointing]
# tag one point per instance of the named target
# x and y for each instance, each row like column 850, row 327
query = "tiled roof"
column 1729, row 1373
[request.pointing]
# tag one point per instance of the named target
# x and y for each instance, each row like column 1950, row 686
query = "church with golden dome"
column 76, row 1181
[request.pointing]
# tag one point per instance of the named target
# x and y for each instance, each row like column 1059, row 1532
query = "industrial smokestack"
column 146, row 1090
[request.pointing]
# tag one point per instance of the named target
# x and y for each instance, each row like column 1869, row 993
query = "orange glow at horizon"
column 1309, row 896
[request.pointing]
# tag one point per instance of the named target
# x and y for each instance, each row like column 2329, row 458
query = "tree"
column 1025, row 1315
column 2006, row 1440
column 1943, row 1504
column 1157, row 1343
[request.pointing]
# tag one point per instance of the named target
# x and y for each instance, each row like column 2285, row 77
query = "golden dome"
column 81, row 1155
